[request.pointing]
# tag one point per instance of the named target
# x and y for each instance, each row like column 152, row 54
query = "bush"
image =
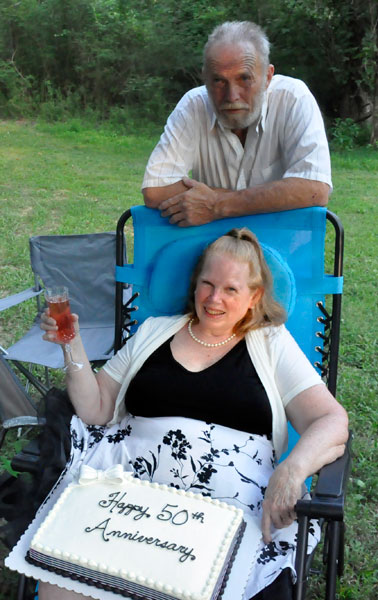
column 346, row 134
column 16, row 99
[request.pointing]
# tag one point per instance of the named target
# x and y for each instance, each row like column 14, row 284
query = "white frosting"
column 168, row 540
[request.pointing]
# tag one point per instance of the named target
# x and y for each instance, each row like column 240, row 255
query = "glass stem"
column 75, row 366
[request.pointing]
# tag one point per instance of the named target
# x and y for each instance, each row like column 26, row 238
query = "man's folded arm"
column 274, row 196
column 189, row 202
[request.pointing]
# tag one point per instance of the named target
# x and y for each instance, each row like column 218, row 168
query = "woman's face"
column 222, row 295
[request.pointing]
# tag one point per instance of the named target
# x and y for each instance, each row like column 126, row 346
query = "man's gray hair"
column 239, row 32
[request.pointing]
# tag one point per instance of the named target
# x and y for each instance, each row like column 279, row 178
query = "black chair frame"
column 328, row 497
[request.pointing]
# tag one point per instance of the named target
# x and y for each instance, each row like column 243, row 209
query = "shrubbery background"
column 133, row 59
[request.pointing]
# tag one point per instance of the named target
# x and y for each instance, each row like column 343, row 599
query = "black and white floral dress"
column 224, row 463
column 195, row 454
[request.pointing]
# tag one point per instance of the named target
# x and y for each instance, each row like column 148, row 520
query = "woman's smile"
column 213, row 312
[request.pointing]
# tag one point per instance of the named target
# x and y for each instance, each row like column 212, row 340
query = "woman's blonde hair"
column 243, row 245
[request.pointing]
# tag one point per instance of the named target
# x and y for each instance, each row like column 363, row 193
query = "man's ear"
column 269, row 75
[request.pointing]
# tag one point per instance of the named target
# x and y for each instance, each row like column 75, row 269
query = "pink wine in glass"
column 59, row 307
column 60, row 311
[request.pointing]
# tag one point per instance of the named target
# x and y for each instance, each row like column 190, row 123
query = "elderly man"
column 253, row 141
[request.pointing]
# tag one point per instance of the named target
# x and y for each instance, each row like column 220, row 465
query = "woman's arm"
column 93, row 396
column 323, row 425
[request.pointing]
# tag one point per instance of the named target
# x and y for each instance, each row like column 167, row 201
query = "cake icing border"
column 235, row 528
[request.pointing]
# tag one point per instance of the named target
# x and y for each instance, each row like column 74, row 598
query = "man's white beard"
column 243, row 120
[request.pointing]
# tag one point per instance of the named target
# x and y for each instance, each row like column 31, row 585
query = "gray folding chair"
column 86, row 265
column 17, row 410
column 17, row 407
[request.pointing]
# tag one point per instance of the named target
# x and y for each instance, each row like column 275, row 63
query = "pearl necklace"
column 206, row 343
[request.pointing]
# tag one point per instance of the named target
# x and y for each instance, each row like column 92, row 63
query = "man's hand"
column 282, row 493
column 195, row 206
column 189, row 202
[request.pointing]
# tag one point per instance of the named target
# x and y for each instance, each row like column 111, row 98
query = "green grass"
column 358, row 382
column 61, row 178
column 355, row 178
column 68, row 178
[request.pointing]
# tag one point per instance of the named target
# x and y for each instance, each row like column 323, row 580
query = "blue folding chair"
column 293, row 244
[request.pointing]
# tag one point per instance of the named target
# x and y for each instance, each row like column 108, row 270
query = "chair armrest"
column 24, row 421
column 18, row 298
column 328, row 496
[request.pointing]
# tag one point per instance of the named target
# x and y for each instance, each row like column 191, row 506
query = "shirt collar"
column 264, row 110
column 213, row 116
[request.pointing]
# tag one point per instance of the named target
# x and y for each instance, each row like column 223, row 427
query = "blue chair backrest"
column 293, row 244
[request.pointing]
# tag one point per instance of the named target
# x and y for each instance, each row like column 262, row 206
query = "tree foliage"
column 337, row 45
column 146, row 53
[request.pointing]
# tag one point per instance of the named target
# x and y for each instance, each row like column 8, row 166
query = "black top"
column 229, row 392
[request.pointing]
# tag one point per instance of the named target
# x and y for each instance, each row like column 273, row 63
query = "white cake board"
column 234, row 590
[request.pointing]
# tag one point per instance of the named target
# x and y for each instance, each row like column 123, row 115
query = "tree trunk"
column 374, row 129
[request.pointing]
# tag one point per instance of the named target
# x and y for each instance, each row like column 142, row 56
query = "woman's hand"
column 49, row 326
column 323, row 426
column 93, row 396
column 282, row 493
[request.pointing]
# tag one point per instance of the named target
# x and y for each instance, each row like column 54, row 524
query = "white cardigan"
column 281, row 365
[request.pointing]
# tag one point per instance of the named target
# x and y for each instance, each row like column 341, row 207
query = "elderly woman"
column 201, row 401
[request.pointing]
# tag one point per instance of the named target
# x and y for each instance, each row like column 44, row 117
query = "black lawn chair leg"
column 47, row 378
column 43, row 389
column 2, row 436
column 21, row 587
column 341, row 556
column 300, row 560
column 334, row 530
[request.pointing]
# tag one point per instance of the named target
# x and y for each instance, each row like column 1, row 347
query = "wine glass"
column 59, row 306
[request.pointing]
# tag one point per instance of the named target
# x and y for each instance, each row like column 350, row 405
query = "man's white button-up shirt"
column 289, row 140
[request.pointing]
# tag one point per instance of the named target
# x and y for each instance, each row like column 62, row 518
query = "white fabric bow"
column 114, row 475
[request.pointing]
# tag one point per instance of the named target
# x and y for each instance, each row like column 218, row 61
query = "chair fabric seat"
column 98, row 343
column 14, row 401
